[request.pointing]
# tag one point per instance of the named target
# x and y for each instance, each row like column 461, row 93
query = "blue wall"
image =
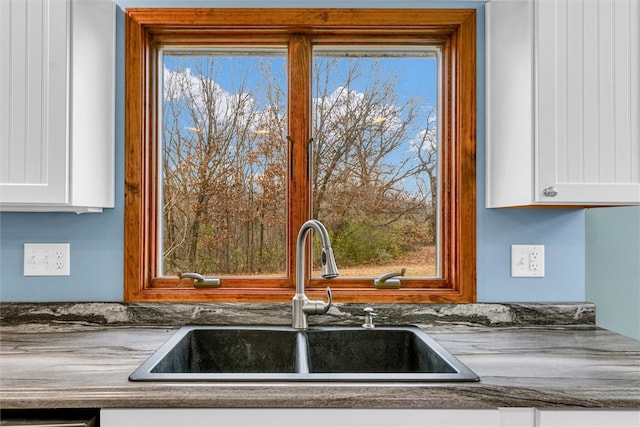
column 613, row 267
column 97, row 239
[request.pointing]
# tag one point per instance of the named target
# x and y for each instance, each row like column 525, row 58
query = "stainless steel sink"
column 283, row 354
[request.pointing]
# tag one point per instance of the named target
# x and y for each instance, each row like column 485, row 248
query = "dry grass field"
column 421, row 263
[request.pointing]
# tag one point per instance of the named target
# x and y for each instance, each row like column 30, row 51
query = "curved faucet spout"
column 301, row 305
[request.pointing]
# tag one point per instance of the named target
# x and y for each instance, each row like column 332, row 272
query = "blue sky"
column 417, row 76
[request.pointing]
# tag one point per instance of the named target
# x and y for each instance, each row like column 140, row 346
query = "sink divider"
column 302, row 353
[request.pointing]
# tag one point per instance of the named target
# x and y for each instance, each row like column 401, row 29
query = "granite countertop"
column 80, row 356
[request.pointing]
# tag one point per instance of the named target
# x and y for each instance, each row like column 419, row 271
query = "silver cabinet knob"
column 550, row 191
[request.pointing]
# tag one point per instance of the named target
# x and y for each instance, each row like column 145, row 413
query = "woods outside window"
column 240, row 128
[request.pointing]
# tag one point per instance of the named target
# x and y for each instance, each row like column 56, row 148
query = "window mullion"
column 299, row 119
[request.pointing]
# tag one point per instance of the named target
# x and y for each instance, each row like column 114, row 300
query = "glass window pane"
column 223, row 162
column 375, row 158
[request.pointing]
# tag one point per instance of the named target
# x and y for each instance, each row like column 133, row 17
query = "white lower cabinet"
column 588, row 418
column 298, row 417
column 502, row 417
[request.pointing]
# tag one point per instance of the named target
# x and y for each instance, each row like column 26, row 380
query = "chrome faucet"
column 301, row 305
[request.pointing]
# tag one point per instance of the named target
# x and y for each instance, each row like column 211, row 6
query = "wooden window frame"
column 454, row 29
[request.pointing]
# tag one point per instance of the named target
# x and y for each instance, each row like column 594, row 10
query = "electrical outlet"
column 527, row 260
column 47, row 259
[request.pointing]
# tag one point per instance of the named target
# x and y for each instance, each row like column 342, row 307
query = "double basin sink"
column 285, row 354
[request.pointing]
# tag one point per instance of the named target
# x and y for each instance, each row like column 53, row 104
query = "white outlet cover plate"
column 47, row 259
column 527, row 260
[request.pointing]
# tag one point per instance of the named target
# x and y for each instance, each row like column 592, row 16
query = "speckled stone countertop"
column 527, row 355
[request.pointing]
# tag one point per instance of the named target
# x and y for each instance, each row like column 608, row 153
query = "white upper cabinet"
column 57, row 94
column 563, row 120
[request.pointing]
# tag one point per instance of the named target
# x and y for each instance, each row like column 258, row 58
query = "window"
column 242, row 124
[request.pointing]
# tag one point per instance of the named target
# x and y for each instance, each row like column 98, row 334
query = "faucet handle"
column 317, row 307
column 327, row 305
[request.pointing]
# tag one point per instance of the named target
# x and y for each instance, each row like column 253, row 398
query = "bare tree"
column 367, row 148
column 220, row 171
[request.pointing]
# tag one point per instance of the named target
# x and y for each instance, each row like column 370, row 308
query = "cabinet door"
column 33, row 101
column 587, row 56
column 300, row 417
column 588, row 418
column 510, row 102
column 57, row 92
